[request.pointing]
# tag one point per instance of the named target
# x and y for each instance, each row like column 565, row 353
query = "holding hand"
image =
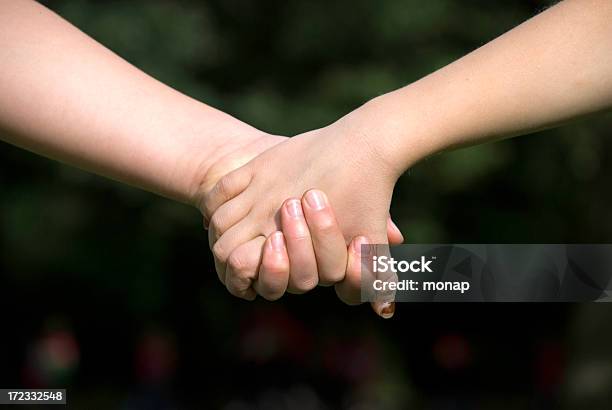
column 310, row 241
column 244, row 207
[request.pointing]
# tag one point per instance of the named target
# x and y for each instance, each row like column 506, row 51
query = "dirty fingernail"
column 387, row 310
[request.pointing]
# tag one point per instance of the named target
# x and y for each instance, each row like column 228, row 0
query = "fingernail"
column 277, row 241
column 316, row 199
column 294, row 208
column 360, row 240
column 387, row 310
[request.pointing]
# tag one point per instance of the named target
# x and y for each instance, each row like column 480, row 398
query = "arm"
column 551, row 69
column 555, row 67
column 65, row 96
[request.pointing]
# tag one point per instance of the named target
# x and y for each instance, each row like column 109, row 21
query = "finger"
column 394, row 235
column 357, row 285
column 231, row 239
column 226, row 216
column 386, row 310
column 359, row 275
column 303, row 265
column 383, row 301
column 349, row 290
column 273, row 277
column 228, row 187
column 327, row 239
column 242, row 268
column 219, row 266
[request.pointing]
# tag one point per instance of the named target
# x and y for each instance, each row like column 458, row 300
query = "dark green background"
column 114, row 268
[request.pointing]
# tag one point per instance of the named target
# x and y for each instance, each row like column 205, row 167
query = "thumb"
column 394, row 235
column 381, row 300
column 357, row 285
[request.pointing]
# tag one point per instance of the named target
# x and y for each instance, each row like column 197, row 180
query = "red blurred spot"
column 355, row 361
column 51, row 360
column 270, row 334
column 156, row 358
column 549, row 366
column 452, row 352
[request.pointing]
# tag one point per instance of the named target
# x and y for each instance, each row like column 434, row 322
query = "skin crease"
column 275, row 267
column 553, row 68
column 331, row 156
column 273, row 277
column 319, row 158
column 238, row 269
column 329, row 249
column 67, row 97
column 100, row 113
column 278, row 258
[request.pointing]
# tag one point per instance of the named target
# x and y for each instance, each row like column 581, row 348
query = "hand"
column 318, row 227
column 337, row 159
column 244, row 144
column 314, row 232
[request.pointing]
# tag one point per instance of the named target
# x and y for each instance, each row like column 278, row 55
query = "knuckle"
column 223, row 187
column 217, row 223
column 276, row 266
column 306, row 284
column 331, row 277
column 273, row 278
column 299, row 237
column 228, row 186
column 239, row 283
column 219, row 251
column 326, row 226
column 239, row 286
column 271, row 295
column 238, row 263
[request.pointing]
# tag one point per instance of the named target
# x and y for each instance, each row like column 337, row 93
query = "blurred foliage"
column 113, row 260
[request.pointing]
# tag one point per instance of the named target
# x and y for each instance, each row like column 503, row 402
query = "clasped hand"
column 271, row 225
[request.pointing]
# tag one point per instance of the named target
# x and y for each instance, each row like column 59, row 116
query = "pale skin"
column 65, row 96
column 102, row 114
column 551, row 69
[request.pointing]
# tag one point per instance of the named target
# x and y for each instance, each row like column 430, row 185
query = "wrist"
column 185, row 146
column 235, row 144
column 210, row 158
column 387, row 130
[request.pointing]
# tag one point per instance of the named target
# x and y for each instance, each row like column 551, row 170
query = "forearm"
column 553, row 68
column 65, row 96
